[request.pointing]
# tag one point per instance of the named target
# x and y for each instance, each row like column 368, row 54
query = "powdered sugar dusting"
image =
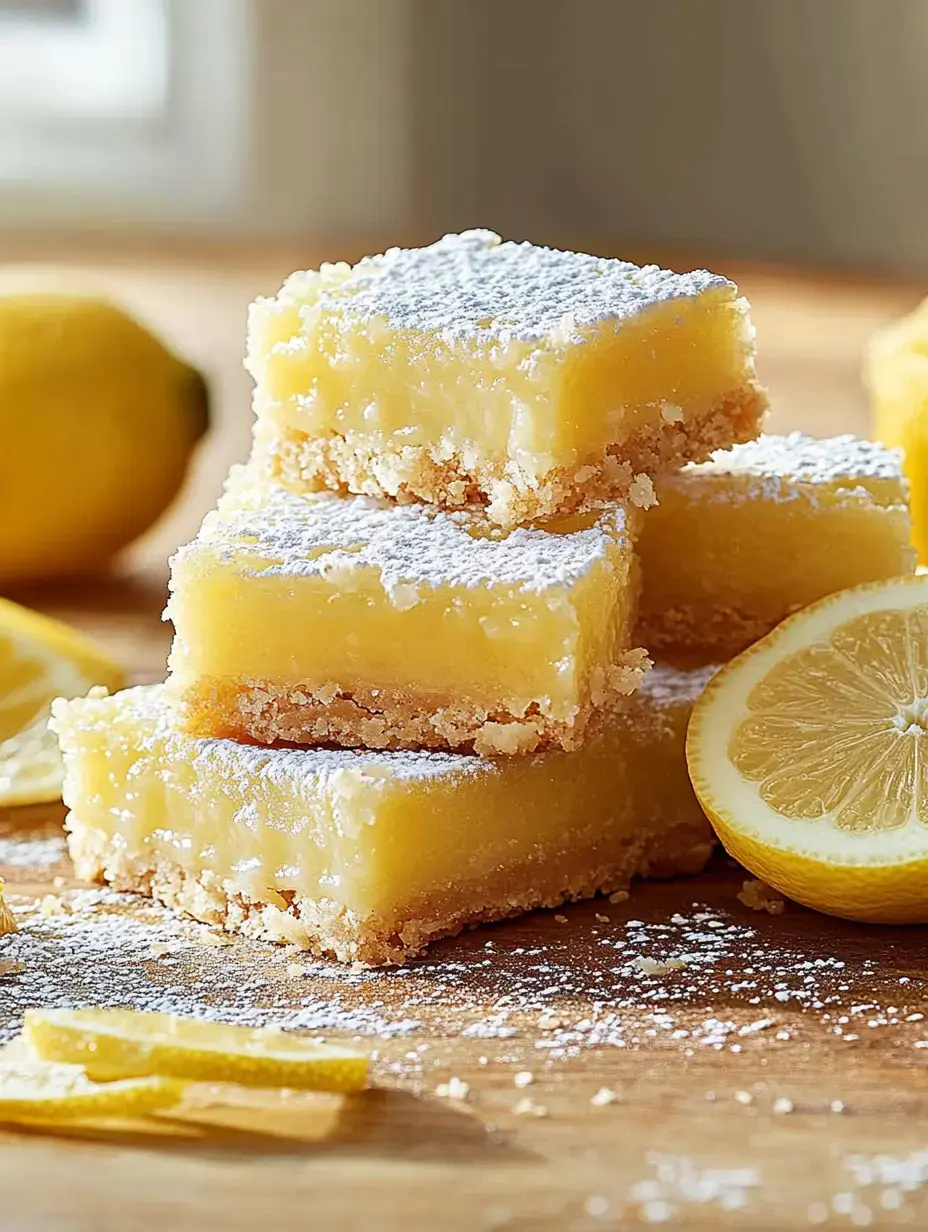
column 799, row 458
column 473, row 288
column 566, row 989
column 680, row 1181
column 664, row 684
column 39, row 853
column 116, row 950
column 265, row 531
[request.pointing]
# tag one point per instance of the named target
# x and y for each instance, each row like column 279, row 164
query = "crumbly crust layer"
column 721, row 631
column 330, row 930
column 509, row 496
column 266, row 712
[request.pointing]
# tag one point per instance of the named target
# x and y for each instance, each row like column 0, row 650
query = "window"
column 121, row 109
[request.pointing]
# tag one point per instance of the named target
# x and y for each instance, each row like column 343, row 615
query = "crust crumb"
column 760, row 897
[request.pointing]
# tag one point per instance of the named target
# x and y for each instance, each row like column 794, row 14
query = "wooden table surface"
column 764, row 1072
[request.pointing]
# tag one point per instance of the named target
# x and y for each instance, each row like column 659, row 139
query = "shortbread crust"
column 509, row 495
column 331, row 930
column 267, row 712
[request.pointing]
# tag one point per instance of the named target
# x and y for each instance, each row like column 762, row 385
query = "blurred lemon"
column 34, row 1092
column 896, row 372
column 40, row 659
column 97, row 423
column 7, row 919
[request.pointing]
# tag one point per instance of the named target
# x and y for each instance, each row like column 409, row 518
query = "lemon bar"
column 474, row 372
column 739, row 542
column 357, row 621
column 369, row 856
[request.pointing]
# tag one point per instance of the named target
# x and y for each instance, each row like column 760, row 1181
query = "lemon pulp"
column 836, row 730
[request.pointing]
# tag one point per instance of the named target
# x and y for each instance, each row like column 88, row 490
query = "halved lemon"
column 809, row 754
column 40, row 659
column 112, row 1044
column 34, row 1091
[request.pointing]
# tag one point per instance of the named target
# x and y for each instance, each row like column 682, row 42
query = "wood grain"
column 698, row 1053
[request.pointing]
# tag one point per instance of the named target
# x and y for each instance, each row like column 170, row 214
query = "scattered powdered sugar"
column 39, row 853
column 679, row 1181
column 669, row 984
column 625, row 984
column 114, row 950
column 665, row 684
column 908, row 1173
column 266, row 531
column 884, row 1180
column 643, row 984
column 879, row 1184
column 471, row 288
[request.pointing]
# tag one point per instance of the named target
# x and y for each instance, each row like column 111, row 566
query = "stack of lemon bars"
column 412, row 684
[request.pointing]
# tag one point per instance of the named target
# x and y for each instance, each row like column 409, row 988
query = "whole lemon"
column 97, row 424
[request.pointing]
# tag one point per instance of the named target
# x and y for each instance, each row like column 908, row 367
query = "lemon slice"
column 809, row 754
column 40, row 659
column 113, row 1044
column 32, row 1091
column 7, row 920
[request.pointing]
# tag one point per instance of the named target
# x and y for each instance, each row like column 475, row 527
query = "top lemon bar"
column 526, row 380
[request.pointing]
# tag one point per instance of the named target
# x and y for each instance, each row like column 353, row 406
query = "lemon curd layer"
column 357, row 621
column 741, row 541
column 531, row 381
column 366, row 855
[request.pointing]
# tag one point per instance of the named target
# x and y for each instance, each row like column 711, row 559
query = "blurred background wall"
column 781, row 129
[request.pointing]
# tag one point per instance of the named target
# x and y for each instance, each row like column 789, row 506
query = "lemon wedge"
column 113, row 1044
column 40, row 659
column 34, row 1091
column 809, row 754
column 7, row 920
